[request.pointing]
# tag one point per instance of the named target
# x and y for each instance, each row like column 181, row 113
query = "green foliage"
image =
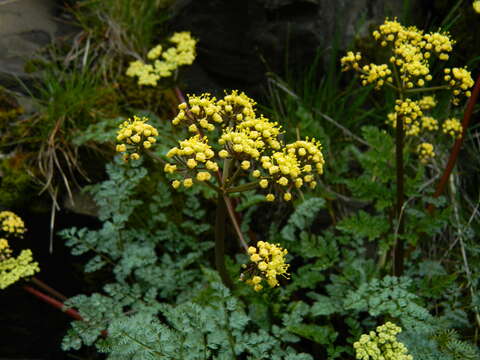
column 389, row 296
column 303, row 217
column 134, row 22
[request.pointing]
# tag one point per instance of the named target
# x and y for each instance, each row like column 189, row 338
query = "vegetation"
column 334, row 220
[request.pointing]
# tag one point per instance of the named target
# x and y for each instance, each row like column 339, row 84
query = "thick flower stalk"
column 164, row 62
column 135, row 136
column 382, row 344
column 267, row 262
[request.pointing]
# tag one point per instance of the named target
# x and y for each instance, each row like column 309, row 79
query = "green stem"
column 432, row 88
column 213, row 186
column 398, row 251
column 245, row 187
column 220, row 242
column 233, row 218
column 234, row 176
column 392, row 86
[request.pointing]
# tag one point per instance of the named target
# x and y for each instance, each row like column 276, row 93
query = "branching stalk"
column 233, row 218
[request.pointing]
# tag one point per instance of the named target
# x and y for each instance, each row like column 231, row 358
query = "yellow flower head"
column 181, row 53
column 268, row 262
column 460, row 81
column 381, row 344
column 427, row 102
column 425, row 152
column 476, row 6
column 452, row 127
column 350, row 61
column 411, row 112
column 5, row 250
column 244, row 140
column 11, row 223
column 134, row 136
column 375, row 74
column 13, row 269
column 410, row 53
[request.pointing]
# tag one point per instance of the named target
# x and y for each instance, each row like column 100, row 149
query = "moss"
column 16, row 188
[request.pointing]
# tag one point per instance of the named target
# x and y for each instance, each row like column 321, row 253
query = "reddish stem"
column 55, row 303
column 179, row 94
column 458, row 143
column 59, row 305
column 48, row 289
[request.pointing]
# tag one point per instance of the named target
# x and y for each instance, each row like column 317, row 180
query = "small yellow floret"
column 270, row 197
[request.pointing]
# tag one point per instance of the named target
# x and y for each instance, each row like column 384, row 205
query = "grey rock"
column 81, row 203
column 241, row 40
column 25, row 27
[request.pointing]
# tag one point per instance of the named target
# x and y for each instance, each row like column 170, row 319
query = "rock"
column 25, row 27
column 236, row 35
column 81, row 203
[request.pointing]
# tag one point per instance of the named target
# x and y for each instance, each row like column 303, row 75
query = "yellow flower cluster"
column 411, row 51
column 249, row 142
column 350, row 61
column 241, row 142
column 460, row 81
column 193, row 154
column 381, row 345
column 425, row 152
column 375, row 74
column 298, row 164
column 202, row 113
column 411, row 112
column 13, row 269
column 309, row 153
column 182, row 53
column 261, row 129
column 11, row 223
column 429, row 123
column 238, row 107
column 5, row 250
column 134, row 136
column 476, row 6
column 452, row 127
column 268, row 262
column 427, row 102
